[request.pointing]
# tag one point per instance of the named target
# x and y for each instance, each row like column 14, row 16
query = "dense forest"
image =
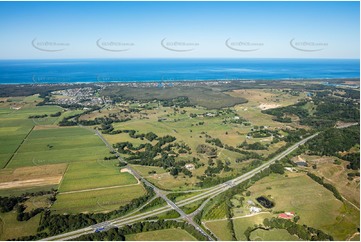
column 334, row 141
column 328, row 109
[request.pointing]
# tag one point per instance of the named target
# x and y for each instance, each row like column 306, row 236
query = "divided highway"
column 208, row 193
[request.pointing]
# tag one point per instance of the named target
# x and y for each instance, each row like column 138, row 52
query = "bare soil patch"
column 265, row 106
column 32, row 176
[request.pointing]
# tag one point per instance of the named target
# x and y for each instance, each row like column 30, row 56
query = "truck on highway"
column 97, row 230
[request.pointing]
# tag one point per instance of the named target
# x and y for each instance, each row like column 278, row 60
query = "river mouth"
column 265, row 202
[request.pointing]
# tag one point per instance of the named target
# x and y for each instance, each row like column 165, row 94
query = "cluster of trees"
column 39, row 193
column 206, row 181
column 302, row 231
column 119, row 233
column 129, row 147
column 25, row 216
column 183, row 148
column 253, row 146
column 215, row 141
column 351, row 175
column 238, row 120
column 151, row 136
column 73, row 120
column 180, row 102
column 247, row 154
column 333, row 141
column 328, row 110
column 230, row 225
column 212, row 170
column 205, row 149
column 349, row 93
column 57, row 114
column 174, row 171
column 277, row 168
column 326, row 185
column 263, row 133
column 295, row 135
column 38, row 116
column 161, row 154
column 282, row 112
column 112, row 157
column 114, row 234
column 7, row 204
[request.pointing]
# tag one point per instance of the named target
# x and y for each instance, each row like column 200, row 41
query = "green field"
column 165, row 181
column 272, row 235
column 12, row 133
column 10, row 228
column 219, row 229
column 59, row 145
column 97, row 200
column 94, row 174
column 316, row 206
column 241, row 224
column 28, row 110
column 162, row 235
column 15, row 125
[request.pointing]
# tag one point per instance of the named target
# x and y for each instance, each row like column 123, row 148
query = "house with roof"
column 286, row 215
column 255, row 209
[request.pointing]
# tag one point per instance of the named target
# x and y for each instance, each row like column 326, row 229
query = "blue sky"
column 188, row 30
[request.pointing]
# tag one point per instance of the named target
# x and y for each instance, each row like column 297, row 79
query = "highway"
column 157, row 191
column 208, row 193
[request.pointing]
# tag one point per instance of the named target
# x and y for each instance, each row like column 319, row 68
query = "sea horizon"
column 91, row 70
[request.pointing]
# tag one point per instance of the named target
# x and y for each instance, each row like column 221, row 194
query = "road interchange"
column 207, row 194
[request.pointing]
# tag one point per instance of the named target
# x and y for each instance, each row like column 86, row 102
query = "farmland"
column 18, row 180
column 241, row 224
column 336, row 174
column 57, row 158
column 316, row 206
column 94, row 174
column 272, row 235
column 219, row 229
column 11, row 228
column 96, row 200
column 58, row 145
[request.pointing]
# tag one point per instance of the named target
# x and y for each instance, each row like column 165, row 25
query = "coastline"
column 170, row 83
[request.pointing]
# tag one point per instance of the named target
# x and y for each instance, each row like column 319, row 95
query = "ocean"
column 158, row 70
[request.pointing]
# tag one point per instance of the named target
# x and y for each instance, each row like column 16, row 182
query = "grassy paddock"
column 59, row 145
column 11, row 228
column 219, row 228
column 94, row 174
column 96, row 201
column 241, row 224
column 316, row 206
column 272, row 235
